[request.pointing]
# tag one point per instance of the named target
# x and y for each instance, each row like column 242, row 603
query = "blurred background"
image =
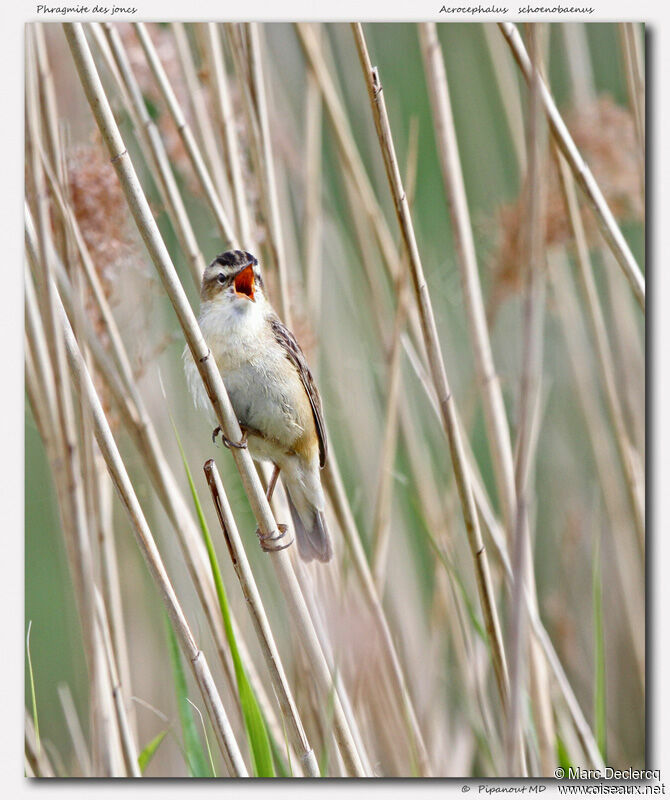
column 588, row 560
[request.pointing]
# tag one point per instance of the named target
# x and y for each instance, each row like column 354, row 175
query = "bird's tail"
column 309, row 522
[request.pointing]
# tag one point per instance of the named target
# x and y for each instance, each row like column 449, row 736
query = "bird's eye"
column 221, row 278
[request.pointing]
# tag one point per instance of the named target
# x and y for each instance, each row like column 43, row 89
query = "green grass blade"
column 33, row 697
column 562, row 756
column 600, row 707
column 257, row 734
column 195, row 755
column 149, row 751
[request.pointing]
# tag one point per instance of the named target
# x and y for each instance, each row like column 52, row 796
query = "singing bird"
column 270, row 387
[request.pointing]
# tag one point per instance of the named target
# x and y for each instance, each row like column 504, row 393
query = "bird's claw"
column 241, row 445
column 268, row 543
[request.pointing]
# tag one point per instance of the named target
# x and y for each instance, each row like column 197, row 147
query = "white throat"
column 234, row 327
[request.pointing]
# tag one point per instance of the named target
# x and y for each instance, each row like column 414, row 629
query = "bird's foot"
column 269, row 544
column 241, row 445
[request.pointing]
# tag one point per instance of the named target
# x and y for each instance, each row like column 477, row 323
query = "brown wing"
column 295, row 355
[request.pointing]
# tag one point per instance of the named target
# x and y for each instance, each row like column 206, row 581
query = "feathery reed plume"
column 583, row 175
column 604, row 133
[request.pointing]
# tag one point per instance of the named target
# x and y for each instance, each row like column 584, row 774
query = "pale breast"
column 264, row 388
column 267, row 396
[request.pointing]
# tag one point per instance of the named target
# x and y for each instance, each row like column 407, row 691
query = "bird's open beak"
column 244, row 283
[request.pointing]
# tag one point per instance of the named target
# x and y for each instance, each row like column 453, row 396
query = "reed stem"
column 437, row 368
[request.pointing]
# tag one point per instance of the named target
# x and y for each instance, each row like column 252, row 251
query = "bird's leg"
column 241, row 445
column 268, row 543
column 273, row 483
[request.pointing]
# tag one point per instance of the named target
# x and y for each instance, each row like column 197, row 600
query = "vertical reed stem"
column 437, row 368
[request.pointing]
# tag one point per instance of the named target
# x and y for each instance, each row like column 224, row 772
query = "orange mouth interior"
column 244, row 282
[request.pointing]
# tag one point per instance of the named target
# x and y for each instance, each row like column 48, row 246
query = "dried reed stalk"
column 582, row 174
column 353, row 165
column 66, row 446
column 36, row 756
column 506, row 78
column 261, row 625
column 246, row 60
column 381, row 527
column 49, row 108
column 128, row 745
column 627, row 561
column 226, row 122
column 128, row 402
column 334, row 487
column 109, row 580
column 371, row 210
column 361, row 208
column 147, row 545
column 199, row 106
column 121, row 361
column 31, row 246
column 437, row 367
column 337, row 496
column 625, row 334
column 346, row 142
column 148, row 133
column 438, row 510
column 105, row 742
column 139, row 426
column 579, row 63
column 199, row 167
column 267, row 173
column 529, row 393
column 74, row 729
column 581, row 726
column 496, row 533
column 626, row 453
column 452, row 176
column 633, row 61
column 313, row 214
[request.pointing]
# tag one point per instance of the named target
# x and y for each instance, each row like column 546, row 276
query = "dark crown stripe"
column 235, row 258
